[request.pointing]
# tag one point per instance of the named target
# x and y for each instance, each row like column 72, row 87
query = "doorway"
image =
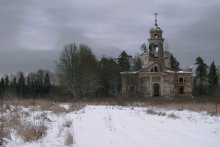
column 156, row 88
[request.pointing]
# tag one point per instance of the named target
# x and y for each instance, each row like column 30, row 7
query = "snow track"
column 115, row 126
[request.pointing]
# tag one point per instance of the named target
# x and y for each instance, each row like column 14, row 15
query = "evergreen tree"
column 40, row 81
column 109, row 77
column 143, row 47
column 213, row 78
column 47, row 84
column 136, row 63
column 201, row 77
column 14, row 82
column 28, row 87
column 21, row 84
column 6, row 81
column 2, row 83
column 174, row 63
column 124, row 61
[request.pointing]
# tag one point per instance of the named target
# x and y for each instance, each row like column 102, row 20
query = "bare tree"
column 76, row 70
column 66, row 68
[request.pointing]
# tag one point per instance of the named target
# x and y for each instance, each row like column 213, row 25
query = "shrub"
column 161, row 113
column 69, row 139
column 14, row 121
column 58, row 109
column 152, row 112
column 173, row 116
column 67, row 124
column 76, row 106
column 4, row 133
column 32, row 133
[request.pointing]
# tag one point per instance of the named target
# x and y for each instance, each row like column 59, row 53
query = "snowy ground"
column 116, row 126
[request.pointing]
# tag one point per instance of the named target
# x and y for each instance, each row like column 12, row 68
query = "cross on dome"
column 155, row 14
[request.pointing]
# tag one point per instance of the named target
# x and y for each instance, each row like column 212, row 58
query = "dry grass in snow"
column 31, row 133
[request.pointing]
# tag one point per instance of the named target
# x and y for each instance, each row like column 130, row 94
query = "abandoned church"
column 156, row 78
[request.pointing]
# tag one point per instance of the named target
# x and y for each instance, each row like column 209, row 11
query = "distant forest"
column 80, row 74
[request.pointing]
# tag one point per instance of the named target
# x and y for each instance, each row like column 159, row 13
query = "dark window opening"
column 181, row 80
column 132, row 88
column 156, row 69
column 181, row 90
column 151, row 48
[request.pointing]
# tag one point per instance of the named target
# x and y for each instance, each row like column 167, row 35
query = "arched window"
column 156, row 51
column 151, row 50
column 155, row 69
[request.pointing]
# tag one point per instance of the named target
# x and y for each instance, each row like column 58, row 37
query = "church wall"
column 130, row 85
column 142, row 84
column 184, row 80
column 169, row 89
column 167, row 62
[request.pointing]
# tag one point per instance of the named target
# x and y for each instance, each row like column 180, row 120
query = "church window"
column 131, row 80
column 181, row 90
column 156, row 36
column 181, row 79
column 132, row 88
column 151, row 46
column 156, row 51
column 156, row 69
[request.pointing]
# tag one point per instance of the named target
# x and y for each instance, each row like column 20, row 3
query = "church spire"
column 155, row 14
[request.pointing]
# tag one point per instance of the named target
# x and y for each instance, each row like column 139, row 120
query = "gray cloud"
column 27, row 60
column 200, row 38
column 32, row 33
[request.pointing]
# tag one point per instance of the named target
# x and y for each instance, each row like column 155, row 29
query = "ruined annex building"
column 156, row 78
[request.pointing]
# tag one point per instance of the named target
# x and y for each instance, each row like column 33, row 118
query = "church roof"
column 155, row 29
column 130, row 72
column 171, row 71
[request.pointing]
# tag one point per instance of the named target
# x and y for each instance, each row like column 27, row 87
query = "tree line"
column 206, row 79
column 34, row 84
column 80, row 74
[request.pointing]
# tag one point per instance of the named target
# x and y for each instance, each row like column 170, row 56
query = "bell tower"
column 156, row 41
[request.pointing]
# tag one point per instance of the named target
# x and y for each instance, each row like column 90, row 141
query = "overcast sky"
column 33, row 32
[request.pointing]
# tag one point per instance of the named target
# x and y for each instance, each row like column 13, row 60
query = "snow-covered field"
column 117, row 126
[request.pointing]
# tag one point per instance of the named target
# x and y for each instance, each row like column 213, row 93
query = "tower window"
column 156, row 51
column 155, row 69
column 156, row 36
